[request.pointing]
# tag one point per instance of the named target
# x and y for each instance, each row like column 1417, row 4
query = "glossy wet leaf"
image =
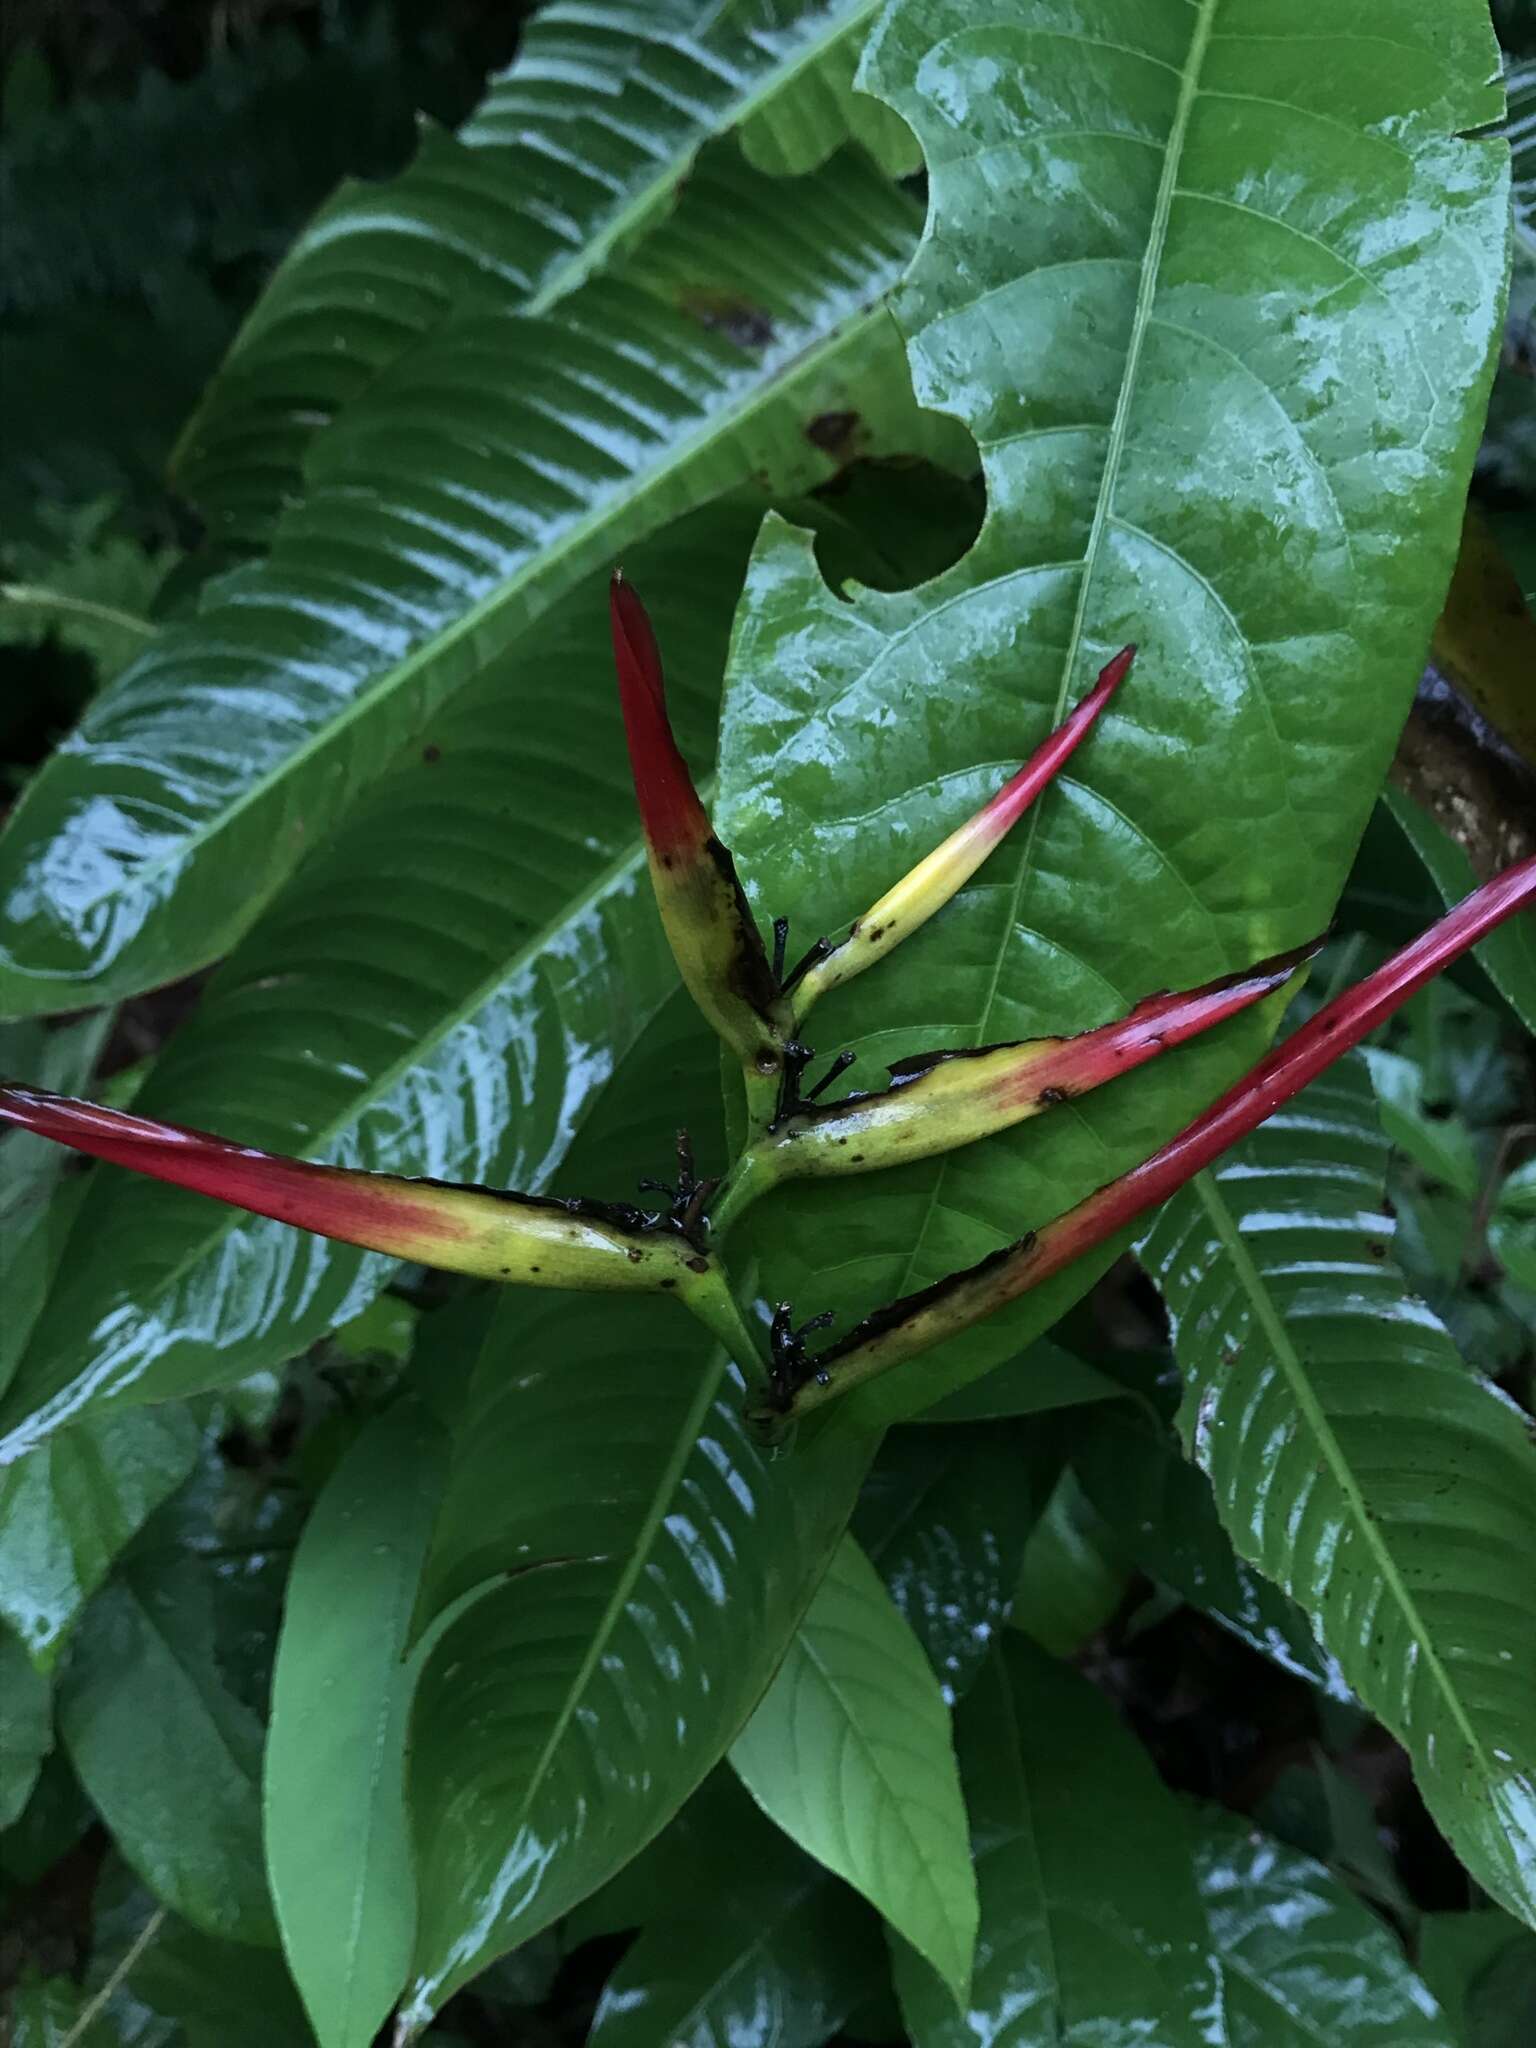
column 850, row 1752
column 1091, row 1927
column 26, row 1726
column 68, row 1508
column 169, row 1755
column 944, row 1516
column 580, row 146
column 1302, row 1961
column 775, row 1952
column 337, row 1835
column 441, row 990
column 1359, row 1463
column 654, row 1571
column 646, row 1568
column 483, row 476
column 1194, row 363
column 1160, row 1508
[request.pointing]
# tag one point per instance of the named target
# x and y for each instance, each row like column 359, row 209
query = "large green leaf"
column 642, row 1568
column 581, row 144
column 1303, row 1963
column 850, row 1752
column 1091, row 1928
column 441, row 990
column 654, row 1568
column 1358, row 1462
column 338, row 1839
column 168, row 1753
column 1226, row 364
column 481, row 478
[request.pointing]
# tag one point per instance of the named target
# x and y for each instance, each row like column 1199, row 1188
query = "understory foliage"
column 385, row 1655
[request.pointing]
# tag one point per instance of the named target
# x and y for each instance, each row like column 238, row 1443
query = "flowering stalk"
column 943, row 1100
column 540, row 1240
column 709, row 924
column 930, row 885
column 919, row 1321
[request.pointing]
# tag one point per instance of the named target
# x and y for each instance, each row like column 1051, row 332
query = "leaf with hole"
column 441, row 516
column 1195, row 367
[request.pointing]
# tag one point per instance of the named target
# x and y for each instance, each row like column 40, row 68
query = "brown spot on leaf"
column 834, row 433
column 431, row 755
column 728, row 313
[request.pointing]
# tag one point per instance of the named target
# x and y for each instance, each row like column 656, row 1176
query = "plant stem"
column 747, row 1182
column 711, row 1300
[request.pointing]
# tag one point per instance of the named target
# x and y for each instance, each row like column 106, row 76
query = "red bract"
column 675, row 822
column 919, row 1321
column 709, row 925
column 941, row 1100
column 538, row 1240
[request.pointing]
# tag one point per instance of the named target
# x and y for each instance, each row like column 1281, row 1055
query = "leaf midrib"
column 1114, row 455
column 710, row 1377
column 1272, row 1322
column 804, row 1640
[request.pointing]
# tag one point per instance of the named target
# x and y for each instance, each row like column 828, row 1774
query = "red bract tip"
column 362, row 1208
column 670, row 811
column 539, row 1240
column 717, row 947
column 919, row 1321
column 1004, row 810
column 935, row 879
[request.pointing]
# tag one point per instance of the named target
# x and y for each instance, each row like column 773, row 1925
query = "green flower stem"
column 710, row 1298
column 753, row 1174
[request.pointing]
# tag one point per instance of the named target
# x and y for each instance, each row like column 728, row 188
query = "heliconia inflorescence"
column 720, row 954
column 919, row 1321
column 935, row 1102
